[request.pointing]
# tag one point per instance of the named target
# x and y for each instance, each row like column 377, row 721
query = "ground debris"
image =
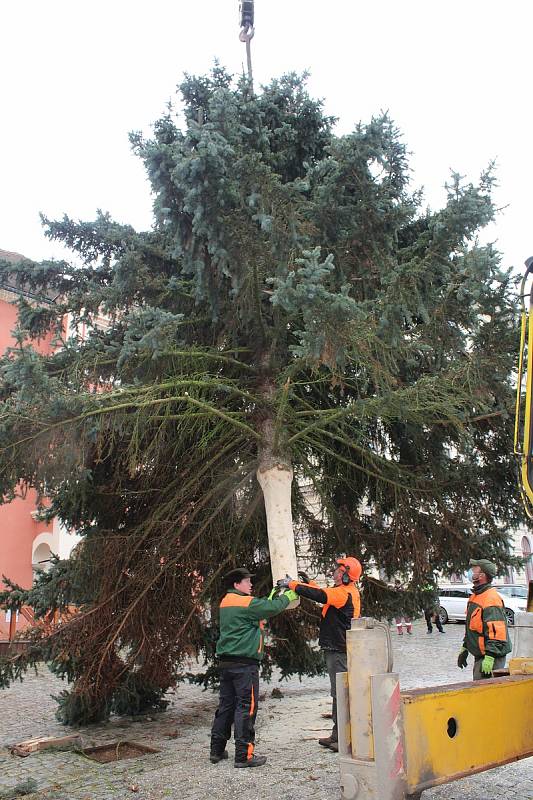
column 29, row 746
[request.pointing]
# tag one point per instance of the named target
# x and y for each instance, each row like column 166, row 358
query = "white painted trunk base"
column 276, row 483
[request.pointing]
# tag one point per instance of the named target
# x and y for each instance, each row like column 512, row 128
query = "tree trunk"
column 276, row 484
column 274, row 474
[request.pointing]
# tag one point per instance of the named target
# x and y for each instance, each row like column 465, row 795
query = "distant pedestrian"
column 239, row 652
column 432, row 609
column 402, row 620
column 486, row 633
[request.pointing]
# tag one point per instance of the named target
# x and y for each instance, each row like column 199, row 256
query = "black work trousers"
column 237, row 706
column 335, row 662
column 433, row 616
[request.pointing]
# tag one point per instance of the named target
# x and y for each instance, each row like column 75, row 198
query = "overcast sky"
column 78, row 75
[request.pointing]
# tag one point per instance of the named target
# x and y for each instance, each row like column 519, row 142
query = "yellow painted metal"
column 521, row 666
column 523, row 433
column 517, row 443
column 526, row 454
column 457, row 730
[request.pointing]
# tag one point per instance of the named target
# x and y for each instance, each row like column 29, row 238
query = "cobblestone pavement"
column 287, row 729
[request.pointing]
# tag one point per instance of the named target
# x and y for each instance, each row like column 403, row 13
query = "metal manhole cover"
column 117, row 751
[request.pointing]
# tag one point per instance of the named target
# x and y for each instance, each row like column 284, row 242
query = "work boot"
column 334, row 746
column 214, row 758
column 254, row 761
column 327, row 741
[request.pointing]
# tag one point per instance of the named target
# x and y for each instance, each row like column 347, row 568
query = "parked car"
column 453, row 600
column 515, row 599
column 454, row 597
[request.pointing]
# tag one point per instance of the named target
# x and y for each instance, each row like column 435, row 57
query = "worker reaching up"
column 239, row 653
column 341, row 604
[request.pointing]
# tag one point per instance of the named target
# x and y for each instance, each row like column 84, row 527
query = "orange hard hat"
column 352, row 567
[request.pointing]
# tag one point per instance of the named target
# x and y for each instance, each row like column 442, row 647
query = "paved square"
column 287, row 730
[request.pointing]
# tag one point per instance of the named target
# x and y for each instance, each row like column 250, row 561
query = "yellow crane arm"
column 523, row 432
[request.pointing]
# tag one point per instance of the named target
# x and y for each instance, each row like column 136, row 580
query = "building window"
column 526, row 552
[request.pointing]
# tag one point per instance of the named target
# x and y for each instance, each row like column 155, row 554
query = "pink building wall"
column 18, row 529
column 8, row 321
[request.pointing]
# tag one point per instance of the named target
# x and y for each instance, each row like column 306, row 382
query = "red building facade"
column 26, row 543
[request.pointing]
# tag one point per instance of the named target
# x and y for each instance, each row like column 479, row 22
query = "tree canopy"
column 293, row 302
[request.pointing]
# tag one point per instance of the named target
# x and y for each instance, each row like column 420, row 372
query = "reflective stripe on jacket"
column 341, row 604
column 486, row 624
column 241, row 623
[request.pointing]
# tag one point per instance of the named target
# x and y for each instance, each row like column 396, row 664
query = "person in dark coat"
column 432, row 609
column 341, row 603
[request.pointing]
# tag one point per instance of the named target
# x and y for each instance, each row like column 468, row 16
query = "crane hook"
column 246, row 17
column 246, row 20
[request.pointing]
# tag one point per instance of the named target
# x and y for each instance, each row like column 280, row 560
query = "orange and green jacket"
column 241, row 624
column 486, row 624
column 341, row 604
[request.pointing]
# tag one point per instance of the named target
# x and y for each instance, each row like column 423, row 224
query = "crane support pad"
column 457, row 730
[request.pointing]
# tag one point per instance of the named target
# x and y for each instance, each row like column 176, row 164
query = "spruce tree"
column 293, row 311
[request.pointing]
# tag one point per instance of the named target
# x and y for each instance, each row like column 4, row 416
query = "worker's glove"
column 462, row 658
column 283, row 583
column 272, row 593
column 291, row 595
column 487, row 665
column 304, row 577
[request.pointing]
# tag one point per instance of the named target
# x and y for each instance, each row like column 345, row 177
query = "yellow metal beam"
column 518, row 445
column 457, row 730
column 528, row 418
